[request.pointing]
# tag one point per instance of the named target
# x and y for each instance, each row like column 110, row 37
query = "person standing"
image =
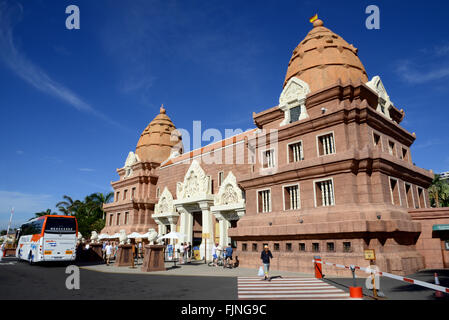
column 108, row 251
column 103, row 250
column 228, row 255
column 266, row 256
column 181, row 253
column 214, row 254
column 2, row 250
column 189, row 252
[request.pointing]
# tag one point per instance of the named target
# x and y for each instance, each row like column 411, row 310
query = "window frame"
column 391, row 190
column 302, row 151
column 318, row 144
column 257, row 202
column 262, row 156
column 333, row 190
column 299, row 196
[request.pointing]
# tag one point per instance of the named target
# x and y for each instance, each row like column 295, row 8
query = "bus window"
column 60, row 225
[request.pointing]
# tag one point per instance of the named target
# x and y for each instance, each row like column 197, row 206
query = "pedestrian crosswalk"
column 293, row 288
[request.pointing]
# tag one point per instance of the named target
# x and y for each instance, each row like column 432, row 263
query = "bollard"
column 318, row 268
column 354, row 291
column 438, row 294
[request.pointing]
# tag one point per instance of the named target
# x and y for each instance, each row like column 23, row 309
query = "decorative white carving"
column 123, row 237
column 94, row 237
column 196, row 183
column 178, row 148
column 294, row 95
column 130, row 161
column 229, row 192
column 384, row 103
column 165, row 204
column 152, row 235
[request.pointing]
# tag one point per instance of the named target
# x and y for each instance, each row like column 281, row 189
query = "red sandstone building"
column 326, row 172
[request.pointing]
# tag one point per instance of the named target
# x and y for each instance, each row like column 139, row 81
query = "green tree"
column 439, row 192
column 43, row 213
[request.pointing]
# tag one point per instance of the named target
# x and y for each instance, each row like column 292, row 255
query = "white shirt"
column 108, row 249
column 214, row 250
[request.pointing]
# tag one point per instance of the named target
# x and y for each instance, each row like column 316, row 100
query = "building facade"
column 327, row 172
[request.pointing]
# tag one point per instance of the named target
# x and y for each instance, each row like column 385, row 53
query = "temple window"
column 409, row 196
column 295, row 152
column 244, row 247
column 126, row 217
column 324, row 193
column 315, row 247
column 111, row 217
column 404, row 154
column 330, row 247
column 264, row 201
column 291, row 197
column 133, row 193
column 288, row 247
column 394, row 188
column 125, row 194
column 268, row 158
column 422, row 202
column 302, row 246
column 347, row 247
column 118, row 219
column 220, row 178
column 376, row 139
column 295, row 113
column 326, row 144
column 391, row 148
column 254, row 247
column 117, row 196
column 276, row 247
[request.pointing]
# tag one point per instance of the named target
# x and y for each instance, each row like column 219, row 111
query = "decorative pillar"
column 186, row 223
column 208, row 227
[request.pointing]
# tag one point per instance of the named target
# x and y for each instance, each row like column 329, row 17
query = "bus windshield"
column 60, row 225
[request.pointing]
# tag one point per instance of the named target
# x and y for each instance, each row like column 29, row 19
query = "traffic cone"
column 438, row 294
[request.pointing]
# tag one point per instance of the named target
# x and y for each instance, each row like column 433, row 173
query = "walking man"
column 108, row 251
column 228, row 255
column 266, row 256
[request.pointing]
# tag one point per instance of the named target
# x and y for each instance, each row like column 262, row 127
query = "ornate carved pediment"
column 294, row 95
column 130, row 161
column 196, row 183
column 384, row 103
column 229, row 192
column 165, row 204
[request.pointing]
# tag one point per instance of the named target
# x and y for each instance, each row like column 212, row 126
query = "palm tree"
column 101, row 199
column 68, row 206
column 439, row 192
column 42, row 213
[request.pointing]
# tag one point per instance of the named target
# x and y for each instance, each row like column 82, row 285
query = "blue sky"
column 74, row 102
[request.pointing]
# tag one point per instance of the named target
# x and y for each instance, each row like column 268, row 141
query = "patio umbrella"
column 134, row 235
column 174, row 235
column 103, row 236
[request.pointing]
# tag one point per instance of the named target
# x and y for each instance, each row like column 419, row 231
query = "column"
column 186, row 223
column 208, row 227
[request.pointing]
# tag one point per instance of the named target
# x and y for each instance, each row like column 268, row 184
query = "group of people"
column 227, row 255
column 184, row 251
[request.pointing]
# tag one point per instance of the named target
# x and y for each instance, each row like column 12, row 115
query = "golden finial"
column 162, row 110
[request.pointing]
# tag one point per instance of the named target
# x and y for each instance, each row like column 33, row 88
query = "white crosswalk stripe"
column 254, row 288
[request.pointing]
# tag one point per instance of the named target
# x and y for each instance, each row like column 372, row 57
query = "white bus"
column 48, row 238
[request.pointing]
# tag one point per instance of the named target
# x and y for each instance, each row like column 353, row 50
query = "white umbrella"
column 115, row 236
column 103, row 236
column 135, row 235
column 174, row 235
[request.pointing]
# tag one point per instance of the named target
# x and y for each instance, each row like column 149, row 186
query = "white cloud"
column 25, row 205
column 86, row 169
column 31, row 73
column 411, row 73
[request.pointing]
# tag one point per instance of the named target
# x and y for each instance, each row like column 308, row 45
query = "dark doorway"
column 197, row 228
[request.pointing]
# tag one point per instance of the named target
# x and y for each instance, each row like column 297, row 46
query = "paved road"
column 253, row 288
column 18, row 280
